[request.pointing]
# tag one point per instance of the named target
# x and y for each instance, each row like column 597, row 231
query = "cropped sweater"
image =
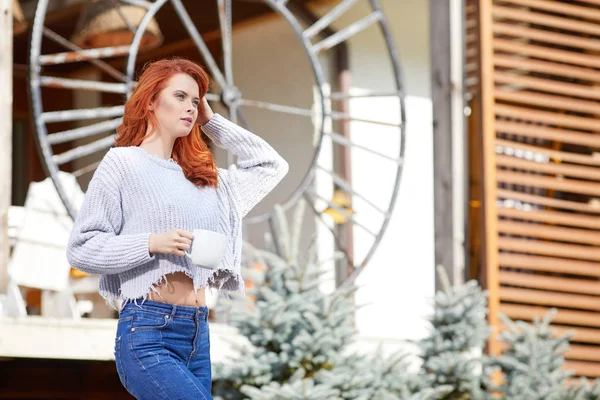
column 134, row 194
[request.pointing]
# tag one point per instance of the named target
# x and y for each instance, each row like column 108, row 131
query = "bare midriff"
column 179, row 289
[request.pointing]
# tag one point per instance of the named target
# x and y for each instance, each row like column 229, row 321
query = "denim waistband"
column 174, row 310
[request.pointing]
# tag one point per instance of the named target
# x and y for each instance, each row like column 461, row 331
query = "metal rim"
column 225, row 81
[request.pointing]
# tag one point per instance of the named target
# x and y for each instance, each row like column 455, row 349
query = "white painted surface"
column 93, row 339
column 87, row 339
column 399, row 280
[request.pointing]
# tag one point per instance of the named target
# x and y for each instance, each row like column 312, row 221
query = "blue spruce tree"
column 452, row 352
column 299, row 336
column 532, row 365
column 584, row 390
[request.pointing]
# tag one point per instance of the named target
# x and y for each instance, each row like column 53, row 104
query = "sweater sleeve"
column 259, row 167
column 95, row 245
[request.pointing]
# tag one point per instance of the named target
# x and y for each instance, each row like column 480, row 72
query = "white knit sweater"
column 134, row 194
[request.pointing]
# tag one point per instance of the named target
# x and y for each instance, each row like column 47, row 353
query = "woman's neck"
column 160, row 147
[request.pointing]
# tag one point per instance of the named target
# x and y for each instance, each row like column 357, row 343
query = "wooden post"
column 449, row 139
column 6, row 96
column 439, row 25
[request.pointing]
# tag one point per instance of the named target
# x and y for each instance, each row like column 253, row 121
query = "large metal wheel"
column 58, row 146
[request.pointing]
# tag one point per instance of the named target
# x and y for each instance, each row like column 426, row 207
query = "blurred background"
column 458, row 134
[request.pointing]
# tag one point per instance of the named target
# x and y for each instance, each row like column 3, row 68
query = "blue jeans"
column 162, row 351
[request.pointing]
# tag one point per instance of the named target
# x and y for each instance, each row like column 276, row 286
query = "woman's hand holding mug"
column 175, row 242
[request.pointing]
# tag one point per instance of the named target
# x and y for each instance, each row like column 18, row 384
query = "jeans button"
column 167, row 316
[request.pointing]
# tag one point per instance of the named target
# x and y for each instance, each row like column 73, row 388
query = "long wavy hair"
column 190, row 152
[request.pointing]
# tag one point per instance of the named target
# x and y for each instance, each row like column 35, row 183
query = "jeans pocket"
column 147, row 321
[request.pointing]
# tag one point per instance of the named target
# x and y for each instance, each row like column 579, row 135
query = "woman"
column 146, row 196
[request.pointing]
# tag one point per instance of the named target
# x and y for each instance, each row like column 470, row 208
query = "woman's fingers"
column 185, row 234
column 182, row 246
column 184, row 240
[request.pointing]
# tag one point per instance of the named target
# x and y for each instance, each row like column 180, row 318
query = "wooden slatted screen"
column 533, row 73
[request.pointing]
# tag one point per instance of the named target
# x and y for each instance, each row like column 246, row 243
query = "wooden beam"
column 449, row 137
column 6, row 66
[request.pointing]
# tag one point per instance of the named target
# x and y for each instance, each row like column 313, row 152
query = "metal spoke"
column 225, row 23
column 350, row 218
column 344, row 141
column 233, row 118
column 193, row 31
column 73, row 47
column 348, row 188
column 81, row 114
column 84, row 170
column 277, row 107
column 65, row 83
column 84, row 150
column 328, row 18
column 345, row 95
column 84, row 131
column 243, row 119
column 347, row 32
column 309, row 113
column 83, row 55
column 233, row 113
column 212, row 97
column 311, row 203
column 340, row 115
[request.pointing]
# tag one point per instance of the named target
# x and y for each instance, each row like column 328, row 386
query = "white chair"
column 40, row 233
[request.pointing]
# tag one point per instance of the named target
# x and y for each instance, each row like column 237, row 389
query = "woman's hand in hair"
column 175, row 242
column 205, row 113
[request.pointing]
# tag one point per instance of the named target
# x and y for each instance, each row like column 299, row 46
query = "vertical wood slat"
column 489, row 167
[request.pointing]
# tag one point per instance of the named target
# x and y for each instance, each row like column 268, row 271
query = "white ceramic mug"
column 207, row 249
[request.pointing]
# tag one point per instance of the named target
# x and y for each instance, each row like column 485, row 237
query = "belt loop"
column 173, row 311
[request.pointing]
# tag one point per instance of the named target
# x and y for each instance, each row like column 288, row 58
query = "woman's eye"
column 196, row 103
column 180, row 95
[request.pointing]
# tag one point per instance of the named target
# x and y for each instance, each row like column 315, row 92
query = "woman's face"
column 176, row 107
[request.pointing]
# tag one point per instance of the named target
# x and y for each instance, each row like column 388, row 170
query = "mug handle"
column 188, row 254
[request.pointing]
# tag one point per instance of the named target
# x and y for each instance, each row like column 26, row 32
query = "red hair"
column 190, row 152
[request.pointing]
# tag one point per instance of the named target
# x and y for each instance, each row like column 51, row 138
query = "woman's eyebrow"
column 184, row 92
